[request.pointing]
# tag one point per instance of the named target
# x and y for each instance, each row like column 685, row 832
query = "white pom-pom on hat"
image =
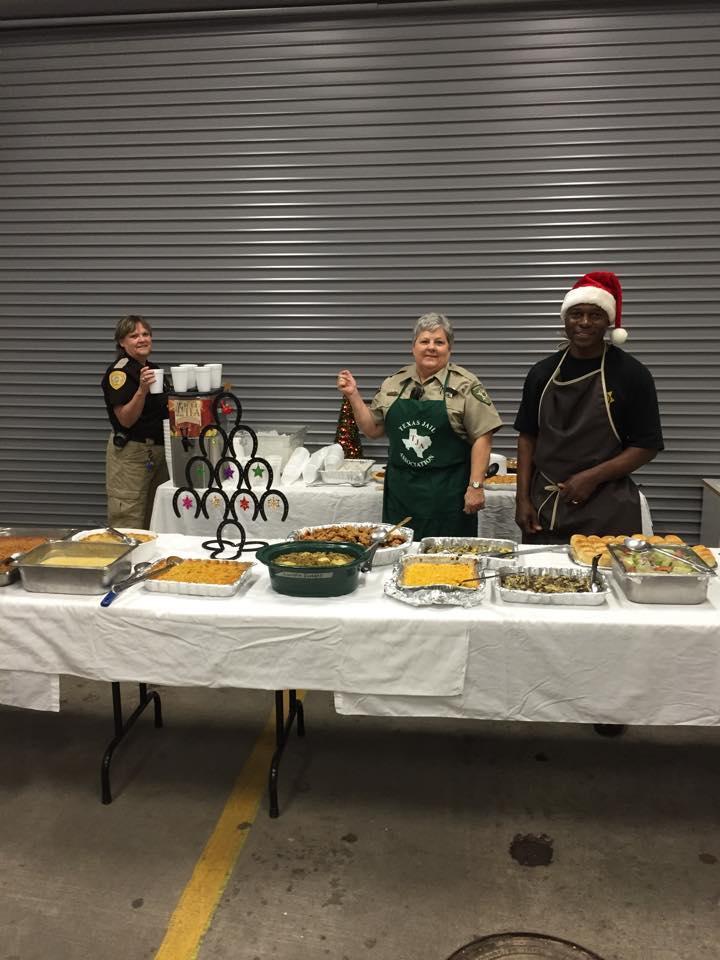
column 602, row 289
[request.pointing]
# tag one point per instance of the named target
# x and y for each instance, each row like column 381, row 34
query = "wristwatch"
column 475, row 484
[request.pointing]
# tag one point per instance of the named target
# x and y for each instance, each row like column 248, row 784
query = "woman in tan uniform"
column 135, row 459
column 439, row 421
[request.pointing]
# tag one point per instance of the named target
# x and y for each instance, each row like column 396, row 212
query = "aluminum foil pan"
column 469, row 596
column 384, row 555
column 471, row 546
column 353, row 472
column 552, row 599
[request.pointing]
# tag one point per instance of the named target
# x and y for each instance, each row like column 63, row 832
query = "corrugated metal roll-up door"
column 288, row 196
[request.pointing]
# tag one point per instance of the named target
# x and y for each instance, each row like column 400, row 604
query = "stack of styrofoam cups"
column 202, row 375
column 179, row 379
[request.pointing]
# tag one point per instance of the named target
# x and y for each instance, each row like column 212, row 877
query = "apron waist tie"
column 553, row 491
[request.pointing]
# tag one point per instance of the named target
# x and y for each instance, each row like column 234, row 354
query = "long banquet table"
column 618, row 663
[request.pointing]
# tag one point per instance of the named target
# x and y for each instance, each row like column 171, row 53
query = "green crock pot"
column 313, row 581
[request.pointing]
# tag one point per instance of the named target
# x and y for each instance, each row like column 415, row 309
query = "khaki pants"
column 133, row 474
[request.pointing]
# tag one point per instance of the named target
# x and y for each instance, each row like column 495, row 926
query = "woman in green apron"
column 439, row 421
column 595, row 422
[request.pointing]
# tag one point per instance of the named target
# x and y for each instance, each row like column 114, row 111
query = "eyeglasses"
column 417, row 392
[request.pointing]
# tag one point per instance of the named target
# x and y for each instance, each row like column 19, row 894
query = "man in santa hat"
column 589, row 417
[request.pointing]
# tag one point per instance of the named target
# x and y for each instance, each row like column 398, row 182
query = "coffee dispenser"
column 188, row 413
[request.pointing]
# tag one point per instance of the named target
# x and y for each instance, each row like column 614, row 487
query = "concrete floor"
column 393, row 841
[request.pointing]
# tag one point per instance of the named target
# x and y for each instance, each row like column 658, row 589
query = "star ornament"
column 244, row 504
column 187, row 502
column 273, row 503
column 258, row 471
column 215, row 501
column 228, row 472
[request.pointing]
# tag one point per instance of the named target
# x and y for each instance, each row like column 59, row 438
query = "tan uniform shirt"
column 470, row 409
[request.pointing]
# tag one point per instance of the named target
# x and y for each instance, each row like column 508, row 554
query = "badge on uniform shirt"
column 481, row 394
column 121, row 363
column 117, row 379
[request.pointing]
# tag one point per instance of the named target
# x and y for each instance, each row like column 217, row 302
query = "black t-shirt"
column 120, row 384
column 631, row 395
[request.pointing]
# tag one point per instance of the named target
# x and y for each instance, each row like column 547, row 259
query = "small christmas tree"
column 347, row 433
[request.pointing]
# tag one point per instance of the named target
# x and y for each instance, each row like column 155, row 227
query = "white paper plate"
column 314, row 465
column 295, row 465
column 334, row 457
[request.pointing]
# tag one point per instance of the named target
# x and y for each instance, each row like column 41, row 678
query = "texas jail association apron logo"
column 416, row 437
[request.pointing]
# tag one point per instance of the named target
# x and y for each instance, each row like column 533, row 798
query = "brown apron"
column 576, row 432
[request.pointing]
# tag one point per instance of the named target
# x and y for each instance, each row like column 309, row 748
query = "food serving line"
column 617, row 662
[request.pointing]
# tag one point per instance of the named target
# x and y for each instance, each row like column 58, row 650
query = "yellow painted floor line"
column 197, row 904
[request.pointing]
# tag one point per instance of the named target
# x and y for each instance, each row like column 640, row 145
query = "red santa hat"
column 603, row 289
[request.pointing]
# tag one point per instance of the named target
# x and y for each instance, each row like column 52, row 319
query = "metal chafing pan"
column 41, row 575
column 681, row 588
column 551, row 599
column 10, row 574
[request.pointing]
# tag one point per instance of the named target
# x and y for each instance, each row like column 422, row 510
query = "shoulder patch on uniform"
column 121, row 363
column 481, row 394
column 117, row 379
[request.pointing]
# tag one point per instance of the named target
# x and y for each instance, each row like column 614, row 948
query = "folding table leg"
column 121, row 729
column 282, row 730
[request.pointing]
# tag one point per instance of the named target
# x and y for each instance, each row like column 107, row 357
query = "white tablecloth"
column 325, row 503
column 32, row 691
column 255, row 639
column 620, row 662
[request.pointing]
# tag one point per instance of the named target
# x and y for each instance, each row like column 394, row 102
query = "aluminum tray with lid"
column 9, row 572
column 660, row 586
column 74, row 567
column 471, row 546
column 564, row 599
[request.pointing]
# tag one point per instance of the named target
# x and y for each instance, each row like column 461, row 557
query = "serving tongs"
column 595, row 581
column 123, row 537
column 517, row 552
column 141, row 571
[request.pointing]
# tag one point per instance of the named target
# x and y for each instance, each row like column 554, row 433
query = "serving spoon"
column 378, row 538
column 141, row 571
column 640, row 545
column 10, row 559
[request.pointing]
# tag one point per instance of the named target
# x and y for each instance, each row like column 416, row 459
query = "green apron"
column 428, row 470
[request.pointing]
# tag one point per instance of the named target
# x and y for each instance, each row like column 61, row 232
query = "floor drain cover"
column 522, row 946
